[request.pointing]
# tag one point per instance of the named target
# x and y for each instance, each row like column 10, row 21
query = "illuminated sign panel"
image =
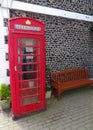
column 24, row 27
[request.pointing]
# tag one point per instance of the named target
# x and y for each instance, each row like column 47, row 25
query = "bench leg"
column 58, row 95
column 52, row 91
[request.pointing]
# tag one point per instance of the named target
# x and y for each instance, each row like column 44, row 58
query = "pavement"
column 73, row 112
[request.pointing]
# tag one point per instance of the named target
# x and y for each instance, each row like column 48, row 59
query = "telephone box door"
column 27, row 73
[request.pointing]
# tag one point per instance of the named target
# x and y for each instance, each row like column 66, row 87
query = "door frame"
column 17, row 109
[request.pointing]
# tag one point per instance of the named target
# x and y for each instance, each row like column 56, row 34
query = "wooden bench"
column 69, row 79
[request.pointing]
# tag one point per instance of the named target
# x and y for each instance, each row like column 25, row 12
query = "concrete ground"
column 73, row 112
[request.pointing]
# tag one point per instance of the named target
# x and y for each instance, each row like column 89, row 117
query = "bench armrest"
column 54, row 83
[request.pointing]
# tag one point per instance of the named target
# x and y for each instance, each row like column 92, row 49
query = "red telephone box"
column 27, row 65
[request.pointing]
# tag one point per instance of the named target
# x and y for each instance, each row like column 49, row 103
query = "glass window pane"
column 28, row 50
column 28, row 67
column 29, row 84
column 29, row 76
column 31, row 100
column 28, row 42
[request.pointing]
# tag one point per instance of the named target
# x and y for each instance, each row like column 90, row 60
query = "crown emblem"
column 28, row 22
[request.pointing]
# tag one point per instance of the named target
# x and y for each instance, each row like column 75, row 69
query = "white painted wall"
column 4, row 13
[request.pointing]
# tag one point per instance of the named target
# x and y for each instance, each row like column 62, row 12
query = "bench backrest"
column 67, row 75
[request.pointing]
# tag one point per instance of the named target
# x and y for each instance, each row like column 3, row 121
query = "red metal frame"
column 29, row 29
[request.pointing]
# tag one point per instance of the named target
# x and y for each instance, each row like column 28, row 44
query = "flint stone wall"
column 69, row 43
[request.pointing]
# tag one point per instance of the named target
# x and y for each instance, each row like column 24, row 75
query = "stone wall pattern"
column 79, row 6
column 69, row 43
